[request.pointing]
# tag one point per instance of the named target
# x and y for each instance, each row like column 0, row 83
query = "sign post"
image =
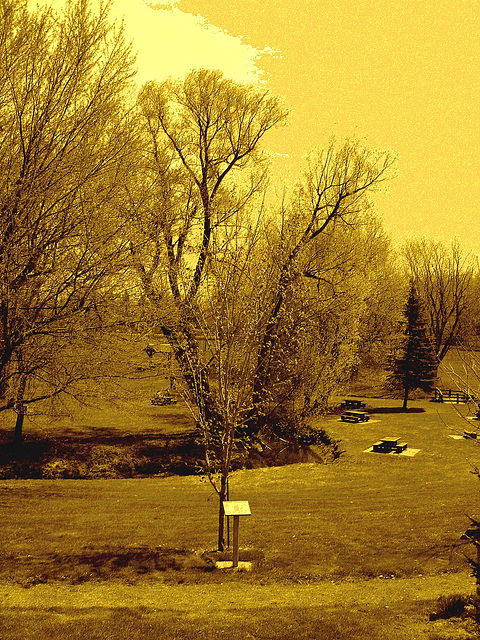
column 236, row 508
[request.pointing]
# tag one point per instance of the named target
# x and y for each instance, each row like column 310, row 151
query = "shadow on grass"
column 397, row 410
column 161, row 423
column 107, row 455
column 104, row 435
column 129, row 565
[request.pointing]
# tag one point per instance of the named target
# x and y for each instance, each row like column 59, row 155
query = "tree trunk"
column 186, row 351
column 405, row 398
column 21, row 409
column 18, row 435
column 221, row 513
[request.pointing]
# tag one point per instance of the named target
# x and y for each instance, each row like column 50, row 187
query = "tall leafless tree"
column 65, row 146
column 200, row 253
column 200, row 133
column 334, row 193
column 443, row 277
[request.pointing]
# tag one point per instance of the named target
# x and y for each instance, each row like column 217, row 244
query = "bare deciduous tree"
column 214, row 275
column 443, row 276
column 348, row 309
column 65, row 144
column 200, row 132
column 334, row 193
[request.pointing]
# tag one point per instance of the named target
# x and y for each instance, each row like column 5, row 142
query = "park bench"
column 389, row 445
column 352, row 404
column 470, row 434
column 451, row 395
column 355, row 416
column 163, row 398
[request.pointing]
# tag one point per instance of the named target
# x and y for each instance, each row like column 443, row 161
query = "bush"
column 452, row 606
column 111, row 462
column 286, row 424
column 64, row 468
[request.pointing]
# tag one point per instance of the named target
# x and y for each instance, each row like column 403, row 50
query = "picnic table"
column 355, row 416
column 389, row 444
column 352, row 404
column 163, row 398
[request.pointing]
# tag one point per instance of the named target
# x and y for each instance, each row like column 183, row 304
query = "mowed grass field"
column 115, row 404
column 355, row 549
column 109, row 429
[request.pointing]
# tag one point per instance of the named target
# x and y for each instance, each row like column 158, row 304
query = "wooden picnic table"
column 355, row 416
column 389, row 444
column 163, row 398
column 352, row 404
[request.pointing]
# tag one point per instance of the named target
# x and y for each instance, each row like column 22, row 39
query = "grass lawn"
column 115, row 431
column 123, row 410
column 227, row 614
column 113, row 406
column 365, row 515
column 374, row 521
column 236, row 623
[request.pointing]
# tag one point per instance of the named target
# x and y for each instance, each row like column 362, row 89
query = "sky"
column 402, row 75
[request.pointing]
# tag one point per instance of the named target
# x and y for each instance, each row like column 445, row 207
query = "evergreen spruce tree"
column 416, row 365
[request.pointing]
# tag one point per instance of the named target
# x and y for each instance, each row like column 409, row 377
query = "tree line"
column 114, row 199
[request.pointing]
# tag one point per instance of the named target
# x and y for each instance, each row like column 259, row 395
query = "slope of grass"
column 115, row 403
column 365, row 515
column 366, row 520
column 310, row 623
column 111, row 430
column 374, row 609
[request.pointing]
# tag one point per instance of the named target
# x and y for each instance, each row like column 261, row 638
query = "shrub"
column 110, row 462
column 286, row 424
column 64, row 468
column 452, row 606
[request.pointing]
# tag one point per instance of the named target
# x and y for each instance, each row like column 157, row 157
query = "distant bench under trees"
column 452, row 395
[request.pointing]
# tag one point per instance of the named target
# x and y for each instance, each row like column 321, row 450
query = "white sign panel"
column 236, row 508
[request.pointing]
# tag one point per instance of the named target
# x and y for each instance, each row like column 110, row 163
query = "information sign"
column 236, row 508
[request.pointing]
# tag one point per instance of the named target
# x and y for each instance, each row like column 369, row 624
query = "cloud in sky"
column 171, row 42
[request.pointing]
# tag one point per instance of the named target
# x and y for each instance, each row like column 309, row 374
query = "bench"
column 470, row 434
column 355, row 416
column 353, row 404
column 454, row 396
column 348, row 418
